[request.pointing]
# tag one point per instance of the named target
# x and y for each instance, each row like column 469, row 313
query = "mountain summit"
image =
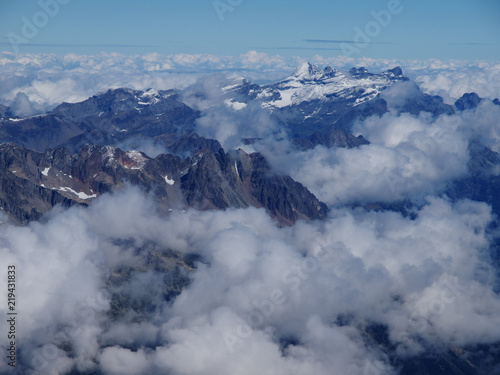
column 309, row 72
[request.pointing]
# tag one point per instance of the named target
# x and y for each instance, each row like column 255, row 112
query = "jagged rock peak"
column 311, row 72
column 468, row 101
column 394, row 73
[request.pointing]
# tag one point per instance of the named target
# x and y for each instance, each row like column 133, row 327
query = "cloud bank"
column 263, row 299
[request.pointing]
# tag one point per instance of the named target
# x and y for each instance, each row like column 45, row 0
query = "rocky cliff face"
column 238, row 179
column 34, row 182
column 331, row 138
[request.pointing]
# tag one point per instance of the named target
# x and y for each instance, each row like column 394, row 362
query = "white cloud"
column 116, row 360
column 408, row 157
column 452, row 83
column 266, row 298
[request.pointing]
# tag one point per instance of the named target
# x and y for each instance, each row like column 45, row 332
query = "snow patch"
column 264, row 94
column 150, row 92
column 45, row 172
column 137, row 158
column 151, row 95
column 110, row 153
column 236, row 168
column 236, row 81
column 169, row 181
column 310, row 83
column 80, row 195
column 285, row 100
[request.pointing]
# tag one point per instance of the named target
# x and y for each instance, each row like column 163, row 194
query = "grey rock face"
column 34, row 182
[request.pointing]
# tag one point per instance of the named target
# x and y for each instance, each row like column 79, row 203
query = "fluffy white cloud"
column 452, row 82
column 409, row 157
column 265, row 299
column 116, row 360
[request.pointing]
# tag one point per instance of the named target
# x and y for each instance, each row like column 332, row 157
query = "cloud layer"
column 264, row 299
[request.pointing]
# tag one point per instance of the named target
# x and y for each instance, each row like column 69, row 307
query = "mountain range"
column 78, row 151
column 72, row 154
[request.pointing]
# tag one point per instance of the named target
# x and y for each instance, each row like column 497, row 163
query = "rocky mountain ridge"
column 207, row 180
column 316, row 106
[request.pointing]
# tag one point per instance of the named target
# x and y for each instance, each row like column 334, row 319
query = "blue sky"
column 418, row 29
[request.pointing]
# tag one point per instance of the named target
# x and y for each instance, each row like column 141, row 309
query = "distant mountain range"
column 69, row 155
column 73, row 154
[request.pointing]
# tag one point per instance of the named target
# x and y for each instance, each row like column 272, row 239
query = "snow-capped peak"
column 149, row 92
column 150, row 96
column 310, row 82
column 134, row 160
column 233, row 82
column 308, row 72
